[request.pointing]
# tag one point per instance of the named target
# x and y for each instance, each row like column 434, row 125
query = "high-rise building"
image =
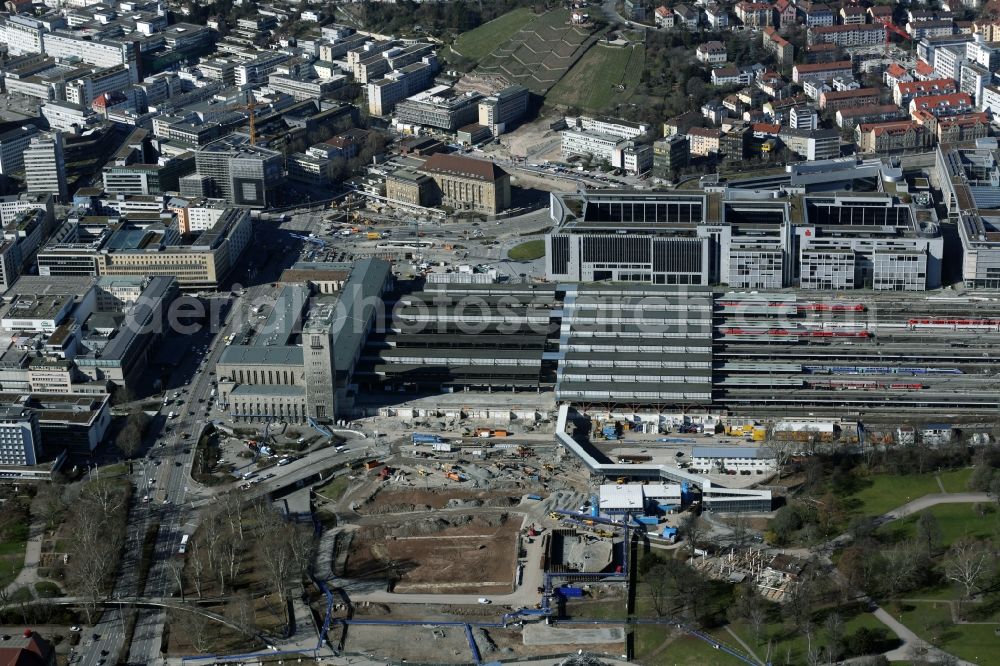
column 44, row 166
column 20, row 443
column 239, row 173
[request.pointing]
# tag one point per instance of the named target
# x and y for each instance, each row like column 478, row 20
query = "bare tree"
column 195, row 629
column 175, row 566
column 834, row 626
column 96, row 534
column 658, row 579
column 901, row 567
column 968, row 562
column 692, row 531
column 241, row 611
column 929, row 532
column 196, row 550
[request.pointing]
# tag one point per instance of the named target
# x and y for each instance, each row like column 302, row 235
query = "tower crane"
column 892, row 27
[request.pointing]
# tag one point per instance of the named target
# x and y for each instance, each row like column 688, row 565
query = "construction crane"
column 892, row 27
column 249, row 107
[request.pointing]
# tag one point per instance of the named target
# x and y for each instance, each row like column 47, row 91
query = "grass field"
column 956, row 521
column 538, row 54
column 976, row 643
column 479, row 42
column 681, row 651
column 530, row 250
column 790, row 646
column 334, row 489
column 957, row 480
column 11, row 559
column 882, row 493
column 591, row 83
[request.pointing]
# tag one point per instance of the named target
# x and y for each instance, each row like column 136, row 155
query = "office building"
column 141, row 245
column 385, row 93
column 45, row 167
column 13, row 143
column 503, row 109
column 465, row 183
column 670, row 154
column 237, row 172
column 730, row 236
column 301, row 363
column 439, row 107
column 20, row 439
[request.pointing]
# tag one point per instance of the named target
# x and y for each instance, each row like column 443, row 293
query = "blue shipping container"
column 426, row 439
column 574, row 592
column 534, row 497
column 648, row 520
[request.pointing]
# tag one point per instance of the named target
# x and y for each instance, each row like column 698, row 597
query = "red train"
column 805, row 334
column 864, row 386
column 954, row 322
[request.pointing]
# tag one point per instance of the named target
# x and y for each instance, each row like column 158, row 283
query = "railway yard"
column 858, row 356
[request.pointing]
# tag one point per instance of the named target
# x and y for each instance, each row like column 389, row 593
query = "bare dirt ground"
column 426, row 499
column 534, row 141
column 449, row 644
column 458, row 554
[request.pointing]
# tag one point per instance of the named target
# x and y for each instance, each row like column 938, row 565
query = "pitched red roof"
column 895, row 70
column 924, row 69
column 805, row 68
column 465, row 167
column 891, row 127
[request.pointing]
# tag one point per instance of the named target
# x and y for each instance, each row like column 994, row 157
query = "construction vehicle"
column 621, row 480
column 422, row 472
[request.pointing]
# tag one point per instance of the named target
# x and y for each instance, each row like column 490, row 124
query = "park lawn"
column 610, row 609
column 955, row 520
column 882, row 493
column 11, row 560
column 681, row 651
column 479, row 42
column 335, row 489
column 956, row 480
column 591, row 83
column 528, row 251
column 790, row 646
column 976, row 643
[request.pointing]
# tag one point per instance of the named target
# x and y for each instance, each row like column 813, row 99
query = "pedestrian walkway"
column 28, row 576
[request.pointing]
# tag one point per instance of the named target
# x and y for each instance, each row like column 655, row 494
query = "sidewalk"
column 28, row 575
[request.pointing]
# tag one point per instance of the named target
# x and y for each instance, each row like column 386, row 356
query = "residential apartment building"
column 834, row 100
column 711, row 52
column 774, row 43
column 703, row 141
column 848, row 35
column 891, row 136
column 823, row 71
column 904, row 91
column 753, row 14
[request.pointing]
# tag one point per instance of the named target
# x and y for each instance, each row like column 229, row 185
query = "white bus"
column 184, row 545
